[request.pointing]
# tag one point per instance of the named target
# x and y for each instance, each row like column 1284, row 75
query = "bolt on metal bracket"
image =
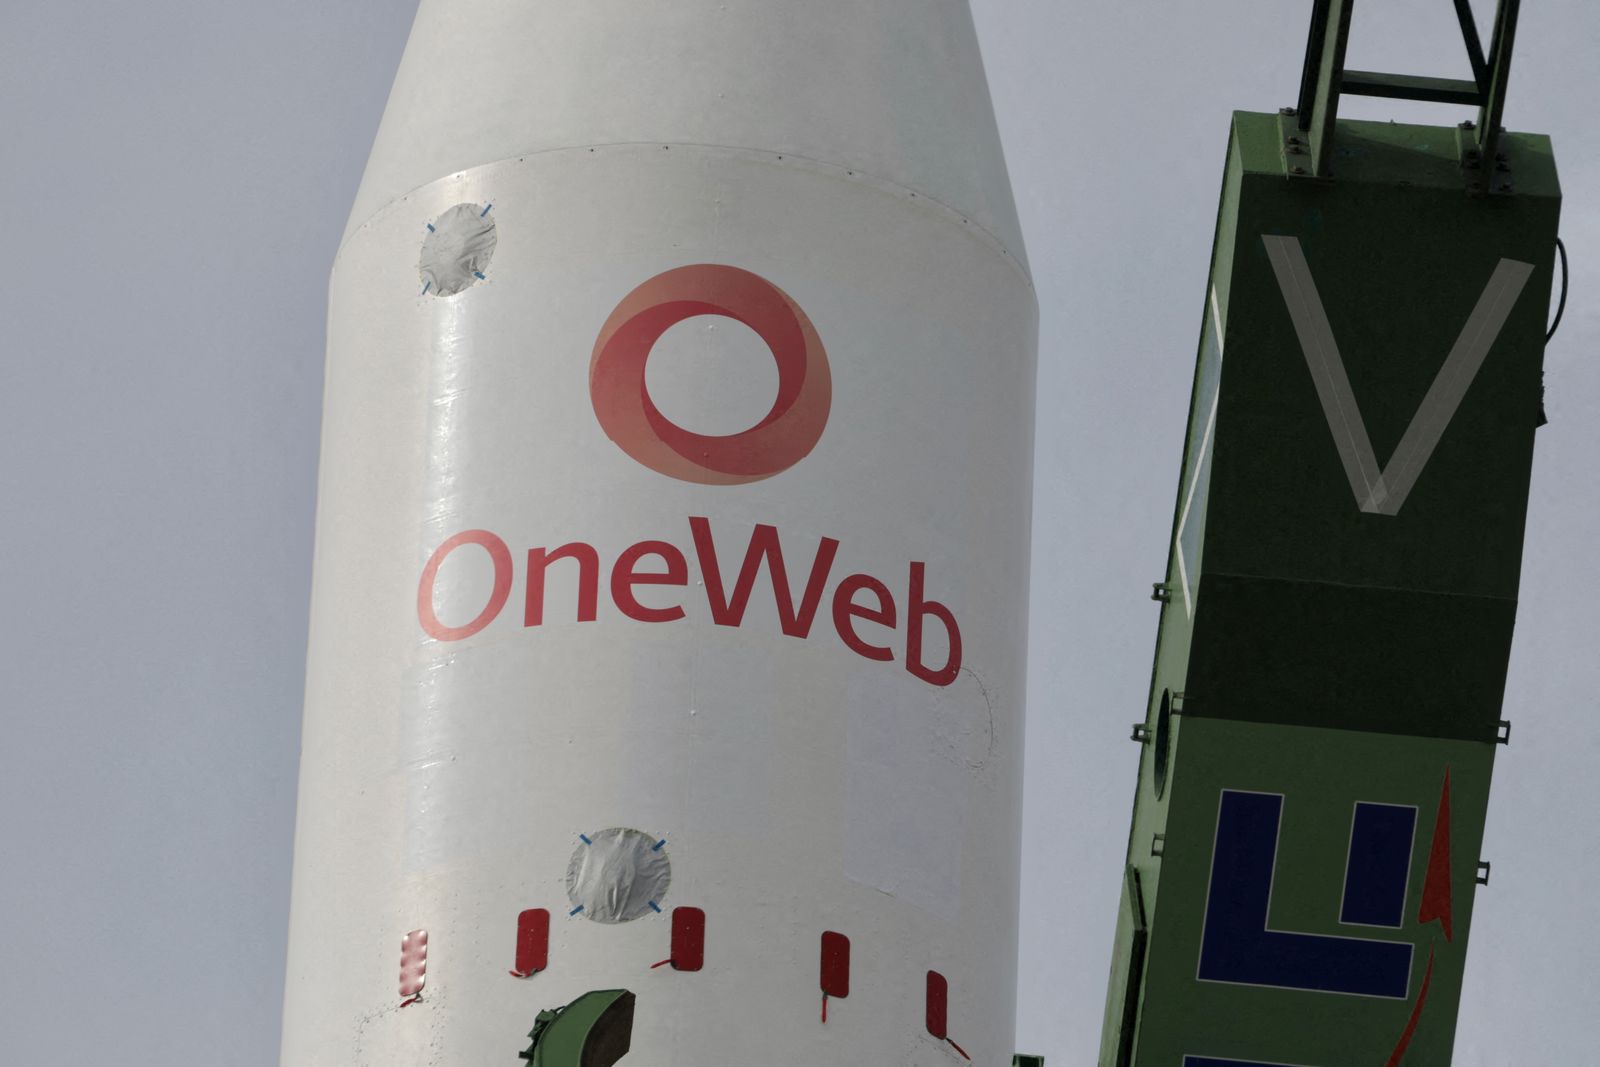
column 1484, row 175
column 1294, row 147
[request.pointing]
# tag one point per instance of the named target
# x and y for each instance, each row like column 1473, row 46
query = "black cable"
column 1561, row 305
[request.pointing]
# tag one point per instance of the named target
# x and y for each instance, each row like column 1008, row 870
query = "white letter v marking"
column 1383, row 492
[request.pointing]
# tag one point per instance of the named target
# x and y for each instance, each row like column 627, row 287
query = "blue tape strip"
column 585, row 839
column 478, row 274
column 425, row 289
column 657, row 846
column 485, row 210
column 655, row 907
column 575, row 911
column 430, row 227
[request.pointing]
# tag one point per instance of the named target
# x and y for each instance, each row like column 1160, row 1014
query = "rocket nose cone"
column 893, row 89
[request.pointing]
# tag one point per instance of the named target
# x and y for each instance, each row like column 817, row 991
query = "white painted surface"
column 891, row 88
column 799, row 785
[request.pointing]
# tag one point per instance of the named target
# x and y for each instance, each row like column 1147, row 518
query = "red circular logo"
column 629, row 417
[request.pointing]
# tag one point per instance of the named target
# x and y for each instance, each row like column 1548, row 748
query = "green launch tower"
column 1336, row 619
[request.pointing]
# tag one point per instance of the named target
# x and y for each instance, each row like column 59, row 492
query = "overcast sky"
column 176, row 176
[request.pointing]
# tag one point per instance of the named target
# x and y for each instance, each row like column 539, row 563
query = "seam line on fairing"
column 845, row 171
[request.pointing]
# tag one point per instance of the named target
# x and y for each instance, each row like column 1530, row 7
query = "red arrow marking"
column 961, row 1050
column 1416, row 1013
column 1436, row 889
column 1435, row 905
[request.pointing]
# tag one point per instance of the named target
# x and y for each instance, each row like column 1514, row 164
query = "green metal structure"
column 1336, row 618
column 595, row 1030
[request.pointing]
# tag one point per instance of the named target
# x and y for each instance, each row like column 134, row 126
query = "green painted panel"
column 1271, row 650
column 1342, row 586
column 1127, row 973
column 1321, row 774
column 1425, row 309
column 1399, row 263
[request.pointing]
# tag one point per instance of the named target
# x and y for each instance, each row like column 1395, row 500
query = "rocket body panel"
column 576, row 646
column 891, row 88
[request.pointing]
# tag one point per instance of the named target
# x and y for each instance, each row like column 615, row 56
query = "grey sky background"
column 176, row 175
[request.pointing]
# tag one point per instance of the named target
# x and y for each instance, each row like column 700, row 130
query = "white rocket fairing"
column 668, row 617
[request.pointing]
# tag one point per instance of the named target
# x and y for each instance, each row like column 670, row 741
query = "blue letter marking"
column 1236, row 944
column 1378, row 870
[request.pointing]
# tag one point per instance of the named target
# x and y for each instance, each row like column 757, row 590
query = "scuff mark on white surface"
column 911, row 758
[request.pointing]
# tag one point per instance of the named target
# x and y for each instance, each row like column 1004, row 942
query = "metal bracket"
column 1141, row 733
column 1175, row 705
column 1161, row 591
column 1294, row 145
column 1470, row 158
column 1158, row 845
column 1321, row 79
column 1483, row 873
column 1324, row 79
column 1502, row 735
column 1485, row 175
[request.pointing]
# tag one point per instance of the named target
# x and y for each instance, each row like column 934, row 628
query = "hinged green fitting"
column 595, row 1030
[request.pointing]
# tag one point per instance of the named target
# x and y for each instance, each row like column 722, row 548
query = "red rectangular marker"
column 938, row 1006
column 533, row 941
column 688, row 939
column 835, row 964
column 413, row 963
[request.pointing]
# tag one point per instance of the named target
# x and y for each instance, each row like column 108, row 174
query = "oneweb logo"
column 864, row 611
column 630, row 418
column 869, row 618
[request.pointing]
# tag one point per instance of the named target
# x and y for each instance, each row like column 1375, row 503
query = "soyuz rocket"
column 665, row 678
